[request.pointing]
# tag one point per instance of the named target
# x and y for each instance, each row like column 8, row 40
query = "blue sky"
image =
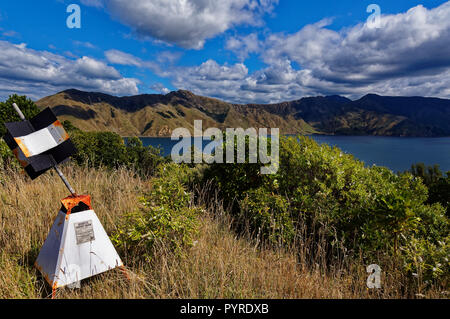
column 238, row 50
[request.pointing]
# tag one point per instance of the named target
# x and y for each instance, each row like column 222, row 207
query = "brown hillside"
column 159, row 115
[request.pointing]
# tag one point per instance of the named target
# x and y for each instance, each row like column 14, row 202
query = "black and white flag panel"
column 36, row 141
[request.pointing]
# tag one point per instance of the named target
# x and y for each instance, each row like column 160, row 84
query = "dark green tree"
column 143, row 159
column 429, row 174
column 438, row 185
column 8, row 114
column 99, row 148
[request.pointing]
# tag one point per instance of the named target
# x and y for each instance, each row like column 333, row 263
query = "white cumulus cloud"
column 40, row 73
column 408, row 55
column 186, row 23
column 242, row 46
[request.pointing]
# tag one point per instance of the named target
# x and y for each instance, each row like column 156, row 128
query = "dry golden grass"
column 28, row 208
column 219, row 265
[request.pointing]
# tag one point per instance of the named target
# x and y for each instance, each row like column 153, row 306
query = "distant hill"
column 158, row 115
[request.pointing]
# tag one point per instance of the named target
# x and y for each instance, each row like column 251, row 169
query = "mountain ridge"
column 157, row 114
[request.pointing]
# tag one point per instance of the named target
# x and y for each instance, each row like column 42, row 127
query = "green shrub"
column 99, row 148
column 438, row 184
column 234, row 180
column 439, row 192
column 368, row 209
column 427, row 262
column 108, row 149
column 429, row 174
column 6, row 156
column 144, row 159
column 166, row 216
column 425, row 249
column 268, row 215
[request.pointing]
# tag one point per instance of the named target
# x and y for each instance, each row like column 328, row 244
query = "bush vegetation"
column 109, row 149
column 367, row 210
column 166, row 215
column 438, row 184
column 218, row 264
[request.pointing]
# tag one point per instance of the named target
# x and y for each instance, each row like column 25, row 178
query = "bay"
column 396, row 153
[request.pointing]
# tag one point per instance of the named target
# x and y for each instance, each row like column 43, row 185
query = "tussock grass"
column 221, row 264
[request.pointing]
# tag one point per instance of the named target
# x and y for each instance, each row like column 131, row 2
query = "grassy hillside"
column 158, row 115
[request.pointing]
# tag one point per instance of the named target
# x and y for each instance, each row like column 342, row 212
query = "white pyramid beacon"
column 77, row 246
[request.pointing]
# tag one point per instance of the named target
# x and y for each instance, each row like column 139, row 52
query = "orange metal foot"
column 53, row 293
column 73, row 201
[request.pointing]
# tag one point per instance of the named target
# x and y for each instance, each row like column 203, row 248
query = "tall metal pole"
column 55, row 165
